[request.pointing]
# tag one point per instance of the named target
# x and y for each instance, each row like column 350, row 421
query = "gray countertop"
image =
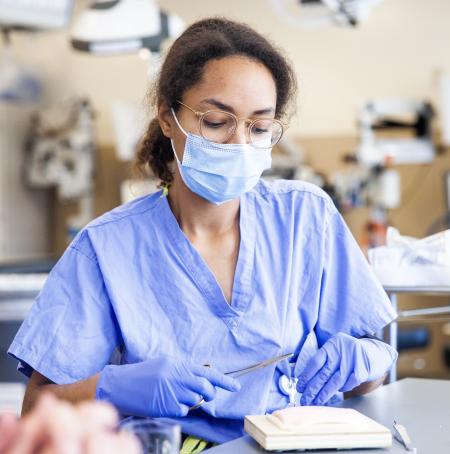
column 421, row 405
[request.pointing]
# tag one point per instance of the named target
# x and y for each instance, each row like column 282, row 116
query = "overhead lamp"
column 123, row 26
column 322, row 13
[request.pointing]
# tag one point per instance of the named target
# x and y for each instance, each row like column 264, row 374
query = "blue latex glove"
column 342, row 364
column 160, row 386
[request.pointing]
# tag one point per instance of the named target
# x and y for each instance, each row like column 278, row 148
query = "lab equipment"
column 143, row 290
column 303, row 428
column 219, row 172
column 342, row 364
column 413, row 338
column 386, row 190
column 322, row 13
column 44, row 14
column 155, row 436
column 20, row 283
column 129, row 121
column 402, row 435
column 123, row 26
column 288, row 163
column 160, row 387
column 407, row 261
column 444, row 106
column 418, row 362
column 17, row 84
column 60, row 148
column 25, row 214
column 60, row 151
column 390, row 114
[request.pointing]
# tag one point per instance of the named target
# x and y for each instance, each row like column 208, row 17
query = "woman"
column 219, row 268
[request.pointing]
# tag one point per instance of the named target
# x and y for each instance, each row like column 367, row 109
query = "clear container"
column 155, row 436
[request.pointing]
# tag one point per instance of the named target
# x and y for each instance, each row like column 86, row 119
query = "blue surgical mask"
column 219, row 172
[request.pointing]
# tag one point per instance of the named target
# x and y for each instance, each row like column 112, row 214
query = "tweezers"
column 265, row 363
column 401, row 434
column 247, row 370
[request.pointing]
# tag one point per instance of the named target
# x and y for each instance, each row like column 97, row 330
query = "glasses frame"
column 248, row 121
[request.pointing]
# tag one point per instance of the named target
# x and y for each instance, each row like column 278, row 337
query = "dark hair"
column 205, row 40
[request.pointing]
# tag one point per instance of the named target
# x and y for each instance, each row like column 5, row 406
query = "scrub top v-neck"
column 202, row 274
column 131, row 287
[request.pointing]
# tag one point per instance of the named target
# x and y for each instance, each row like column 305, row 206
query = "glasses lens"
column 265, row 133
column 217, row 126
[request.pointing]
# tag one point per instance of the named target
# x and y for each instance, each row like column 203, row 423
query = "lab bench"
column 421, row 405
column 425, row 311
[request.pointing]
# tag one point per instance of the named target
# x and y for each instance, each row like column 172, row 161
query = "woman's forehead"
column 237, row 82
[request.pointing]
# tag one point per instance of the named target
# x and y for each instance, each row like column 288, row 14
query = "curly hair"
column 205, row 40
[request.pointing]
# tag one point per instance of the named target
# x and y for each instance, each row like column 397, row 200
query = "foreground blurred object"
column 322, row 13
column 56, row 427
column 123, row 26
column 11, row 397
column 156, row 436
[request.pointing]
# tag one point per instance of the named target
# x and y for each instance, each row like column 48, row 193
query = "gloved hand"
column 342, row 364
column 160, row 386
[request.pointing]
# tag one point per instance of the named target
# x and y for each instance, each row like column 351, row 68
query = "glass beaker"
column 155, row 436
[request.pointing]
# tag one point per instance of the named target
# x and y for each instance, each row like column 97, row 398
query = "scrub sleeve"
column 71, row 331
column 352, row 299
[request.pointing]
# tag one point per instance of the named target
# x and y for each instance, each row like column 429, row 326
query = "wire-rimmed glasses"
column 218, row 126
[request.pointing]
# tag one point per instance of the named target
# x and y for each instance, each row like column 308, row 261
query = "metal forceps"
column 247, row 370
column 401, row 434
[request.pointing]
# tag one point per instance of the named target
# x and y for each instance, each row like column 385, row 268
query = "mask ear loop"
column 173, row 146
column 182, row 130
column 177, row 122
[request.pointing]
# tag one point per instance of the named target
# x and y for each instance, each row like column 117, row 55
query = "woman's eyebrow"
column 227, row 108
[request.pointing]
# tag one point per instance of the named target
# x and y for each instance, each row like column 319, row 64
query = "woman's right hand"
column 160, row 387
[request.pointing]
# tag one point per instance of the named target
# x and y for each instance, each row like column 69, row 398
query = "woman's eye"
column 215, row 125
column 261, row 131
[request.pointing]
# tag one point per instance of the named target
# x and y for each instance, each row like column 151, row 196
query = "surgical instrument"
column 247, row 370
column 401, row 434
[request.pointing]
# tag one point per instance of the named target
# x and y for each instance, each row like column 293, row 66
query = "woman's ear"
column 165, row 119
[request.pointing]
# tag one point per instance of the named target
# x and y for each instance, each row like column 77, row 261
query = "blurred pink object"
column 57, row 427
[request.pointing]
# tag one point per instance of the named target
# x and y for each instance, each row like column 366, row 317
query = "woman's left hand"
column 342, row 364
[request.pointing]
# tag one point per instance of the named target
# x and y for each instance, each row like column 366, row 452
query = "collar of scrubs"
column 202, row 274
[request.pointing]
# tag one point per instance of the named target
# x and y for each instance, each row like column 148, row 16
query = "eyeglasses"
column 218, row 126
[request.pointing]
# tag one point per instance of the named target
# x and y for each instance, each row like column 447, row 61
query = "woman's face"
column 234, row 84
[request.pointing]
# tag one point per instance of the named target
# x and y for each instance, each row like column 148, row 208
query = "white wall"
column 395, row 53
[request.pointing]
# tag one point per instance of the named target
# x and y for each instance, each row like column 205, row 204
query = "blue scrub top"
column 131, row 286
